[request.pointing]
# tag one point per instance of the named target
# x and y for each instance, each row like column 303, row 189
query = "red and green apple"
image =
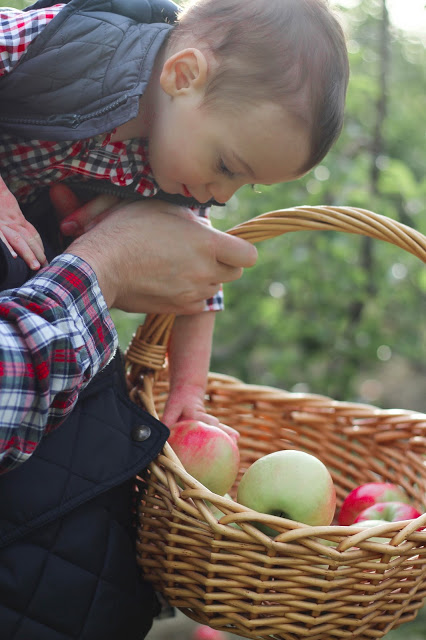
column 209, row 454
column 367, row 495
column 388, row 512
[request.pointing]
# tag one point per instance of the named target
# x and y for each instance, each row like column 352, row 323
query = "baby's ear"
column 183, row 72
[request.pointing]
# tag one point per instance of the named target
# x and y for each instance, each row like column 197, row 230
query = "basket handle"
column 146, row 353
column 323, row 218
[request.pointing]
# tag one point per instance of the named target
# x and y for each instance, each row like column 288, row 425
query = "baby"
column 146, row 100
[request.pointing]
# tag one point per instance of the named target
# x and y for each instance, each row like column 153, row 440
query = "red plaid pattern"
column 55, row 334
column 32, row 164
column 18, row 30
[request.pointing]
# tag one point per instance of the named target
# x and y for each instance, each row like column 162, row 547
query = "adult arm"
column 56, row 331
column 55, row 334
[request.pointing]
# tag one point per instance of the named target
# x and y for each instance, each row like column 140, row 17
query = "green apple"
column 289, row 484
column 367, row 524
column 218, row 514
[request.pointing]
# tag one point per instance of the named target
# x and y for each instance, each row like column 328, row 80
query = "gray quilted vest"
column 58, row 93
column 85, row 72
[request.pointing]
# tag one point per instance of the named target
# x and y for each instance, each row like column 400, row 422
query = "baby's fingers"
column 79, row 221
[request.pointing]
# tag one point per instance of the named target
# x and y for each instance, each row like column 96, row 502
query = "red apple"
column 203, row 632
column 367, row 495
column 208, row 453
column 289, row 484
column 388, row 512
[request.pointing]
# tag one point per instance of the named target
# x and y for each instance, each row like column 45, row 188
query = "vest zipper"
column 72, row 121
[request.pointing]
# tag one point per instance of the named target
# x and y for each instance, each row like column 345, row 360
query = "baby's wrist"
column 189, row 387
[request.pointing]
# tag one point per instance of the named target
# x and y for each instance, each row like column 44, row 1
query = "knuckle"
column 15, row 236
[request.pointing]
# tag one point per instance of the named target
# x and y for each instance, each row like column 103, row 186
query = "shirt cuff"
column 73, row 283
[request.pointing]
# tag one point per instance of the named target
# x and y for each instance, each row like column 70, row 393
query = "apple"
column 204, row 632
column 218, row 514
column 365, row 496
column 289, row 484
column 388, row 512
column 209, row 454
column 367, row 524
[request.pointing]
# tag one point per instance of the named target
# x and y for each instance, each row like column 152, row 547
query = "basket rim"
column 315, row 398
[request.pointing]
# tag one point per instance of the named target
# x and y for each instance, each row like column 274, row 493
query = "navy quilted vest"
column 67, row 557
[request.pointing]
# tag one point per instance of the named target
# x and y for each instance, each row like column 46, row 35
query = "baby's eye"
column 224, row 169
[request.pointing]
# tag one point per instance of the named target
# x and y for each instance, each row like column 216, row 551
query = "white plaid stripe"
column 55, row 335
column 31, row 164
column 18, row 30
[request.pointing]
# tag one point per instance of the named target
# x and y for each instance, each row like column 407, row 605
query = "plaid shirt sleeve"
column 55, row 335
column 18, row 29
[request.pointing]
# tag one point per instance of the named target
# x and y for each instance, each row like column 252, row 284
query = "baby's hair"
column 290, row 52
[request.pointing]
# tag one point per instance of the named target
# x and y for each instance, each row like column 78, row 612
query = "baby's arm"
column 189, row 361
column 19, row 235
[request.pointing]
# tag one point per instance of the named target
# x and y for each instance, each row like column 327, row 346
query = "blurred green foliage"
column 329, row 312
column 333, row 313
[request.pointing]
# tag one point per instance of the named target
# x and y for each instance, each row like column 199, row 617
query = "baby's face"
column 206, row 153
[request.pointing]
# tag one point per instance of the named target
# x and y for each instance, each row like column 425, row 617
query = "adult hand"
column 150, row 259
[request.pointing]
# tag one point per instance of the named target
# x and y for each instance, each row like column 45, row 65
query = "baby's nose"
column 223, row 192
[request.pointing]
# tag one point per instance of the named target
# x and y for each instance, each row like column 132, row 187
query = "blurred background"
column 331, row 313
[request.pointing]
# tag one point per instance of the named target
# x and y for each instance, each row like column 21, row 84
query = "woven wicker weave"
column 319, row 583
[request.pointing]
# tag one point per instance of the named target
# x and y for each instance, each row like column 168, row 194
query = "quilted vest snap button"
column 141, row 433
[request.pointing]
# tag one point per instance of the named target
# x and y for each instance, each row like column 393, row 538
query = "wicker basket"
column 307, row 582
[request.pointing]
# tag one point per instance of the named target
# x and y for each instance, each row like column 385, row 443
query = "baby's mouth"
column 186, row 193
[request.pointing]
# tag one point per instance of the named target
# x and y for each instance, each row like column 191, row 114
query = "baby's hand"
column 19, row 235
column 187, row 403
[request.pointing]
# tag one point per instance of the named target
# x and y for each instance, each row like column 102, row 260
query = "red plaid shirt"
column 55, row 334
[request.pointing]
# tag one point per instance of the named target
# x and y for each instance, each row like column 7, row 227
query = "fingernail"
column 35, row 264
column 69, row 228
